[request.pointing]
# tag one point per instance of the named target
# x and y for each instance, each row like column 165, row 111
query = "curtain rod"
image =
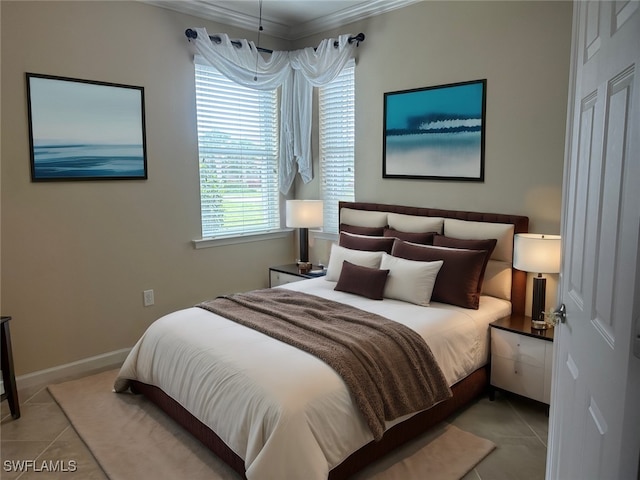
column 216, row 39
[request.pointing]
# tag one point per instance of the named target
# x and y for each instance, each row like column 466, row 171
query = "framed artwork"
column 435, row 132
column 85, row 130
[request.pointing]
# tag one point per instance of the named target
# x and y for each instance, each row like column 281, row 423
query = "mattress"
column 285, row 412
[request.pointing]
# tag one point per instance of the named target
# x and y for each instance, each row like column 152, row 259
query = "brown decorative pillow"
column 457, row 281
column 371, row 231
column 364, row 242
column 488, row 245
column 363, row 281
column 424, row 238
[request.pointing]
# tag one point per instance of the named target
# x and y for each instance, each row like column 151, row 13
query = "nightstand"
column 8, row 376
column 283, row 274
column 521, row 358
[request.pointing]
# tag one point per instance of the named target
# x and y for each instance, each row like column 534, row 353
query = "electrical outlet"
column 148, row 298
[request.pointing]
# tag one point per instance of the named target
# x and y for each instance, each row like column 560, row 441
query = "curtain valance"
column 297, row 72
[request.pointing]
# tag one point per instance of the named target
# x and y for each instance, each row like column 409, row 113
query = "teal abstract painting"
column 435, row 132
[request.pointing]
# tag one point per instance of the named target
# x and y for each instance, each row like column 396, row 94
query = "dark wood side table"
column 8, row 375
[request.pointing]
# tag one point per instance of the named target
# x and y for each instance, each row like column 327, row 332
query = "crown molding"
column 209, row 10
column 346, row 16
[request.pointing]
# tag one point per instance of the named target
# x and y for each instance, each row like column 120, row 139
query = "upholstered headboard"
column 403, row 215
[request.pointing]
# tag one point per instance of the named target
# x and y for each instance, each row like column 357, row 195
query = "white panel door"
column 595, row 404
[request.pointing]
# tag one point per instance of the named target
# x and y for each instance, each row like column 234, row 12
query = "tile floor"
column 518, row 427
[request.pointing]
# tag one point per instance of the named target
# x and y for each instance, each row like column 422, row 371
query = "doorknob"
column 560, row 314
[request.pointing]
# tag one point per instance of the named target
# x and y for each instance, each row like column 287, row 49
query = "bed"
column 292, row 414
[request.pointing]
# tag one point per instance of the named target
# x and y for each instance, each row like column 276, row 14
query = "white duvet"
column 285, row 412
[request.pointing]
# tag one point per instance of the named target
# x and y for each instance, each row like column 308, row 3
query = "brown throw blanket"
column 389, row 368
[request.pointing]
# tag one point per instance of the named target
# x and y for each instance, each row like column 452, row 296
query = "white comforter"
column 286, row 413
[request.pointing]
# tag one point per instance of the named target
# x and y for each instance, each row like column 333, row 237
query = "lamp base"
column 539, row 293
column 304, row 267
column 304, row 245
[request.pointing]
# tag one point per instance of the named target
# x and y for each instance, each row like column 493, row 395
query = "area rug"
column 133, row 439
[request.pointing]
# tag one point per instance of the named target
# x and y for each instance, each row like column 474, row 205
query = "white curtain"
column 297, row 72
column 242, row 64
column 313, row 68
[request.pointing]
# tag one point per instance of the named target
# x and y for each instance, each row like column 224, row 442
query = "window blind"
column 238, row 153
column 337, row 139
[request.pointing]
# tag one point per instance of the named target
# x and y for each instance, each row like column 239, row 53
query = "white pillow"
column 415, row 223
column 363, row 218
column 357, row 257
column 408, row 280
column 503, row 232
column 497, row 279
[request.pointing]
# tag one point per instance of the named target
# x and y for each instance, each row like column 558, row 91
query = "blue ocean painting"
column 435, row 132
column 85, row 161
column 85, row 130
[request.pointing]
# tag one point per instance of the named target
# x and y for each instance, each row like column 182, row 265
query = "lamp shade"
column 536, row 253
column 304, row 213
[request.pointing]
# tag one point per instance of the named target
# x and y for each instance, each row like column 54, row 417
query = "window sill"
column 235, row 240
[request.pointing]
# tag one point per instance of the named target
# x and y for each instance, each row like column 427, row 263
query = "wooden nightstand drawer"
column 280, row 278
column 289, row 273
column 521, row 358
column 518, row 377
column 518, row 348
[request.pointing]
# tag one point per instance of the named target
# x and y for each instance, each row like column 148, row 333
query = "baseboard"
column 61, row 372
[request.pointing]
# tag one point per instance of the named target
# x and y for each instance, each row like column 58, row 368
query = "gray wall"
column 77, row 256
column 522, row 49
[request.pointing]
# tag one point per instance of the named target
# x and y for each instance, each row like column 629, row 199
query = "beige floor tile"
column 535, row 414
column 42, row 396
column 47, row 470
column 4, row 408
column 67, row 458
column 516, row 458
column 16, row 452
column 519, row 427
column 38, row 422
column 24, row 395
column 492, row 420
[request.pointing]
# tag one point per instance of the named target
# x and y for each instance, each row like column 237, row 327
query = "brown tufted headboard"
column 521, row 225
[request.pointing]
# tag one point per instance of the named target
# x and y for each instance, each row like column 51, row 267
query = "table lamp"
column 304, row 214
column 537, row 253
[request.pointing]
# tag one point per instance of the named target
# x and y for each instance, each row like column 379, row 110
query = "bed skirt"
column 463, row 393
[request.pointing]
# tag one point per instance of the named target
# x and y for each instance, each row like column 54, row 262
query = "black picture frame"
column 436, row 132
column 85, row 129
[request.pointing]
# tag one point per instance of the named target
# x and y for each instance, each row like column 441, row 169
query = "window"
column 238, row 152
column 337, row 137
